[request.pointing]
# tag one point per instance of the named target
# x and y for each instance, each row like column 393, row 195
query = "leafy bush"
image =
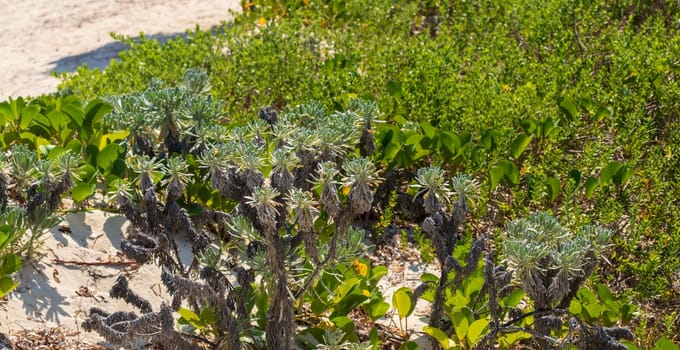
column 289, row 226
column 560, row 106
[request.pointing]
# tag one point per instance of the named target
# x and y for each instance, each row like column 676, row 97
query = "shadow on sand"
column 102, row 56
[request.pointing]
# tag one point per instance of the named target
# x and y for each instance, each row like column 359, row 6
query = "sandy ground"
column 38, row 37
column 80, row 262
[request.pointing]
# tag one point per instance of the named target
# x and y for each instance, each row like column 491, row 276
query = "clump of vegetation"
column 290, row 224
column 563, row 107
column 30, row 194
column 551, row 263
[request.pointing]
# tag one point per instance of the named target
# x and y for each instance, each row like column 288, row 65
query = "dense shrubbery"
column 558, row 106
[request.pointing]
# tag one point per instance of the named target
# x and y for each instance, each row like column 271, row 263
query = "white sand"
column 56, row 293
column 41, row 36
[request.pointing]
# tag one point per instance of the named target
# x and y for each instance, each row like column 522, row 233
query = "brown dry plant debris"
column 57, row 338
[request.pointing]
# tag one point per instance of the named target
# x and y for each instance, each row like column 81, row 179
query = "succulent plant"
column 264, row 201
column 360, row 176
column 177, row 178
column 284, row 164
column 147, row 170
column 550, row 261
column 329, row 193
column 431, row 183
column 196, row 82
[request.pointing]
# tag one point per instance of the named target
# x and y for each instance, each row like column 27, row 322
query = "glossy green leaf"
column 575, row 307
column 496, row 175
column 429, row 277
column 528, row 125
column 513, row 298
column 10, row 264
column 427, row 128
column 569, row 108
column 553, row 186
column 591, row 186
column 414, row 139
column 549, row 129
column 476, row 330
column 318, row 307
column 623, row 175
column 57, row 119
column 519, row 144
column 344, row 289
column 627, row 312
column 82, row 190
column 409, row 345
column 401, row 301
column 609, row 171
column 345, row 323
column 510, row 171
column 575, row 176
column 208, row 315
column 665, row 344
column 460, row 324
column 108, row 155
column 379, row 310
column 112, row 137
column 474, row 286
column 27, row 115
column 449, row 142
column 7, row 285
column 348, row 303
column 190, row 317
column 439, row 335
column 377, row 273
column 593, row 310
column 604, row 293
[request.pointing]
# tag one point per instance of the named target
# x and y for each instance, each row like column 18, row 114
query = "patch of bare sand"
column 38, row 37
column 82, row 261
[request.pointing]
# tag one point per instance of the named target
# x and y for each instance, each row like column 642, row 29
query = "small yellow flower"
column 360, row 267
column 366, row 293
column 506, row 87
column 262, row 21
column 345, row 190
column 325, row 323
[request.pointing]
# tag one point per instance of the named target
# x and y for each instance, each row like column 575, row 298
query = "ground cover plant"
column 262, row 259
column 552, row 100
column 556, row 106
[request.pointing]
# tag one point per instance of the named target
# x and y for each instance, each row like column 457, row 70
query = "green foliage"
column 601, row 306
column 9, row 262
column 551, row 103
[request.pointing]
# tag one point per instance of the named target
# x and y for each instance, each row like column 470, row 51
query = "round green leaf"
column 401, row 301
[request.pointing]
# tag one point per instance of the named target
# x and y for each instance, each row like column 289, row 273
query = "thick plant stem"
column 280, row 326
column 438, row 305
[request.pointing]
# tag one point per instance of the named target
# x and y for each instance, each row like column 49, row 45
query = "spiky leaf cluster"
column 167, row 119
column 443, row 227
column 273, row 231
column 360, row 176
column 547, row 257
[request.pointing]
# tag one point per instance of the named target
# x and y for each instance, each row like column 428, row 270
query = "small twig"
column 95, row 263
column 200, row 338
column 531, row 313
column 532, row 332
